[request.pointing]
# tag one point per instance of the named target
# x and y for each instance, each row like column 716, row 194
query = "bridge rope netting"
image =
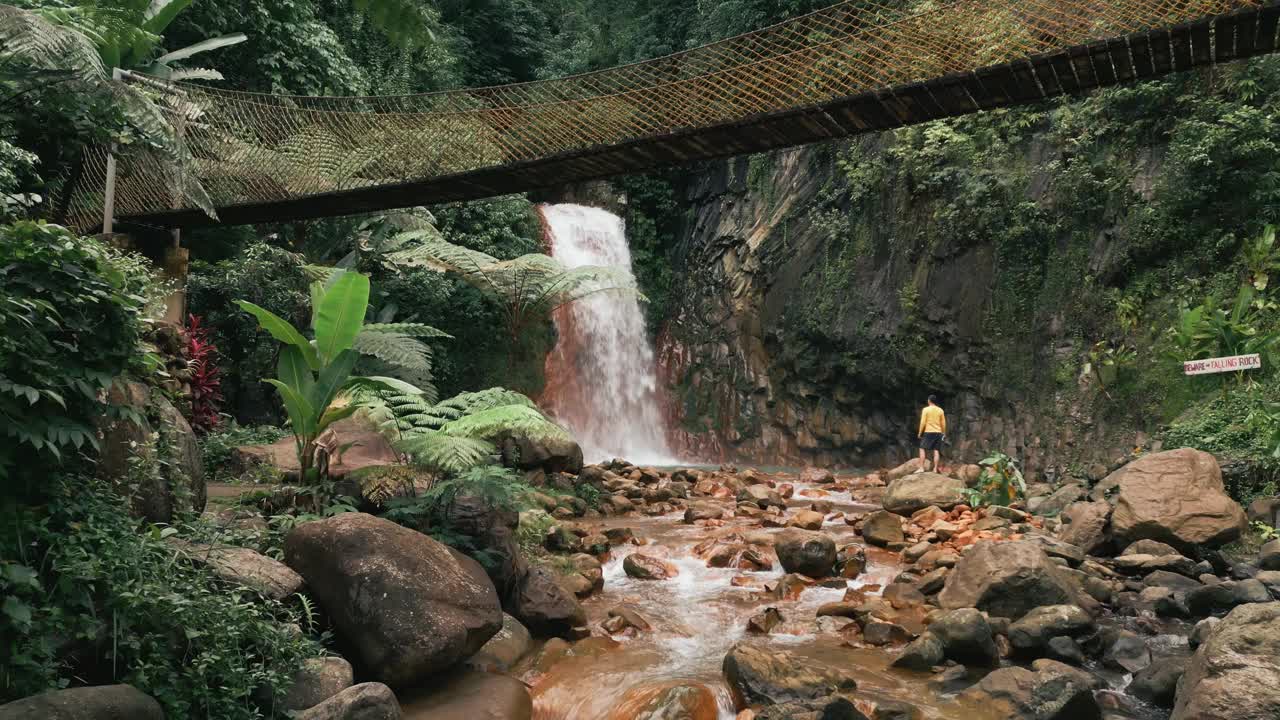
column 252, row 149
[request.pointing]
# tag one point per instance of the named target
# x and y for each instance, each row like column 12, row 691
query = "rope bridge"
column 855, row 67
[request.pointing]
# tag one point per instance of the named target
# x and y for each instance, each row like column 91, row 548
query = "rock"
column 770, row 676
column 1064, row 649
column 1013, row 515
column 1139, row 564
column 550, row 454
column 702, row 511
column 902, row 595
column 1127, row 652
column 1056, row 548
column 1086, row 525
column 1201, row 631
column 836, row 707
column 807, row 520
column 921, row 654
column 504, row 649
column 805, row 552
column 882, row 528
column 910, row 493
column 1050, row 691
column 851, row 561
column 1157, row 683
column 1173, row 581
column 915, row 552
column 544, row 605
column 1271, row 580
column 763, row 622
column 243, row 566
column 1176, row 497
column 1060, row 500
column 407, row 605
column 1235, row 674
column 1269, row 556
column 950, row 681
column 882, row 632
column 904, row 469
column 667, row 702
column 1226, row 595
column 100, row 702
column 816, row 476
column 1265, row 510
column 470, row 695
column 1150, row 547
column 1008, row 579
column 741, row 557
column 1033, row 631
column 179, row 485
column 933, row 581
column 589, row 568
column 366, row 701
column 316, row 681
column 966, row 637
column 762, row 495
column 630, row 617
column 647, row 567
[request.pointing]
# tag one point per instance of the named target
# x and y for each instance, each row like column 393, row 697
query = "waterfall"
column 601, row 375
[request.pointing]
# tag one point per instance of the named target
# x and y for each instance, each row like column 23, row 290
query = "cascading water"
column 601, row 376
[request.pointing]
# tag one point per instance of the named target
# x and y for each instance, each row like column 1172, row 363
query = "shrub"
column 70, row 319
column 206, row 381
column 217, row 446
column 92, row 600
column 1000, row 483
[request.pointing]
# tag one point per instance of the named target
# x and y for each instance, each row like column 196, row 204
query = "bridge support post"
column 109, row 192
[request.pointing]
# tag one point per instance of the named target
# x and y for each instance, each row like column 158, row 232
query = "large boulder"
column 666, row 701
column 102, row 702
column 761, row 674
column 407, row 605
column 1235, row 673
column 548, row 454
column 882, row 528
column 366, row 701
column 1176, row 497
column 966, row 637
column 504, row 649
column 1049, row 691
column 179, row 485
column 917, row 491
column 470, row 695
column 1009, row 579
column 805, row 552
column 243, row 566
column 544, row 605
column 316, row 681
column 1087, row 525
column 762, row 496
column 1033, row 631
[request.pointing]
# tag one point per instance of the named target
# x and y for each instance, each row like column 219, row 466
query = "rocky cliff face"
column 813, row 322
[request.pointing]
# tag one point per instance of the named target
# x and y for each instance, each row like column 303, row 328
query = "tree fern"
column 439, row 452
column 393, row 348
column 496, row 421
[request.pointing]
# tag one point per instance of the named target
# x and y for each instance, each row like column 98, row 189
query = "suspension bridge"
column 856, row 67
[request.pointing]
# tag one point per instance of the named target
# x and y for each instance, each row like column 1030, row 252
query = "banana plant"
column 312, row 374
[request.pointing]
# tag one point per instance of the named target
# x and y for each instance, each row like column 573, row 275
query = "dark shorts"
column 931, row 441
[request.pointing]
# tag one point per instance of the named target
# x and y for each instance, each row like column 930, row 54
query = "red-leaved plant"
column 206, row 383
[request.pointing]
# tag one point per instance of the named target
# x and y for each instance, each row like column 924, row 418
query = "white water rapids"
column 602, row 380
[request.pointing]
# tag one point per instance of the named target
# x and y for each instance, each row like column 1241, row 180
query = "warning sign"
column 1222, row 364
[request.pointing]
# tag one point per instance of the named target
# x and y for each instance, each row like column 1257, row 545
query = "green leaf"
column 301, row 414
column 16, row 610
column 333, row 415
column 332, row 378
column 295, row 373
column 379, row 383
column 282, row 330
column 162, row 12
column 202, row 46
column 340, row 314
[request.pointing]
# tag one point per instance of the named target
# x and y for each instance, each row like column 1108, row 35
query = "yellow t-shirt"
column 933, row 420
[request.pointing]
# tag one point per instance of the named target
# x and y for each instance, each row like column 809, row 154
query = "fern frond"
column 494, row 422
column 471, row 402
column 28, row 39
column 407, row 328
column 446, row 453
column 394, row 348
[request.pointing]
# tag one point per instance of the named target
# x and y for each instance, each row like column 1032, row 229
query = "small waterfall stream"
column 601, row 376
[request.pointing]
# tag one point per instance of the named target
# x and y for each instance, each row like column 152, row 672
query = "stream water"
column 699, row 615
column 601, row 375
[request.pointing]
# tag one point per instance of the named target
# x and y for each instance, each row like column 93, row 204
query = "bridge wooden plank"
column 1201, row 46
column 998, row 81
column 1066, row 73
column 951, row 95
column 1180, row 40
column 866, row 109
column 919, row 102
column 1100, row 54
column 1246, row 34
column 1140, row 48
column 973, row 84
column 893, row 108
column 1046, row 75
column 1083, row 66
column 1161, row 52
column 1224, row 38
column 1121, row 62
column 1268, row 20
column 1026, row 87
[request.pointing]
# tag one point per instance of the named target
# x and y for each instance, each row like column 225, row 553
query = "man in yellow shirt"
column 933, row 428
